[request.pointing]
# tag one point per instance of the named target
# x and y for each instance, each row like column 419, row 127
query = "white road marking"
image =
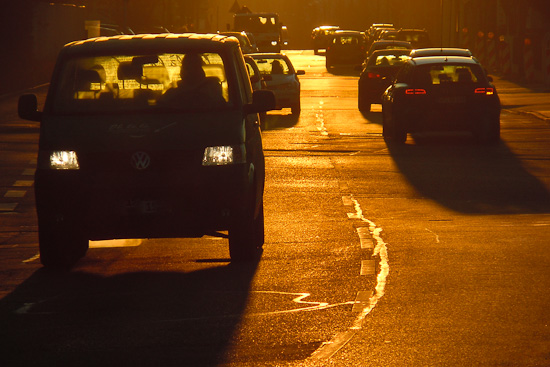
column 435, row 234
column 23, row 183
column 15, row 193
column 361, row 300
column 368, row 267
column 31, row 259
column 7, row 207
column 116, row 243
column 346, row 200
column 365, row 238
column 327, row 350
column 28, row 172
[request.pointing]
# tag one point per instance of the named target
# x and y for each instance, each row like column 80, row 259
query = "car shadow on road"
column 468, row 177
column 344, row 71
column 131, row 319
column 280, row 120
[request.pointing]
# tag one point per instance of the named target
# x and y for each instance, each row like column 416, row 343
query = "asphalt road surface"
column 434, row 253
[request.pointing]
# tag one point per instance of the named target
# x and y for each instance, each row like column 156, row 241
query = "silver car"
column 281, row 78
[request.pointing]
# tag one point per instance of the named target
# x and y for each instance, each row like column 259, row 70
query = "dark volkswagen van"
column 148, row 136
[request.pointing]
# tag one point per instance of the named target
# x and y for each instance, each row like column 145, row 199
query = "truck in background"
column 265, row 27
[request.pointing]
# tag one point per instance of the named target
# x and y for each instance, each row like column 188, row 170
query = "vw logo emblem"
column 141, row 160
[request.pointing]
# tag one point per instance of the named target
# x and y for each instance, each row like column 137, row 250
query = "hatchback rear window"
column 126, row 83
column 448, row 74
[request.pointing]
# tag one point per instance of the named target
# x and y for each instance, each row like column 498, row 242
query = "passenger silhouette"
column 276, row 67
column 194, row 89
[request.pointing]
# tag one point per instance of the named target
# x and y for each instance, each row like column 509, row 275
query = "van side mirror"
column 27, row 108
column 300, row 72
column 262, row 101
column 490, row 78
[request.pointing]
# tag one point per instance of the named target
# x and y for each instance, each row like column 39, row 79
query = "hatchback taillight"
column 415, row 91
column 486, row 91
column 373, row 75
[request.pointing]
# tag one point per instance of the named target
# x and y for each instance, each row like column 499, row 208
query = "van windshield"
column 128, row 83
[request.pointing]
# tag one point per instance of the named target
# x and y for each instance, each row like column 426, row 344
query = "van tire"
column 61, row 246
column 246, row 235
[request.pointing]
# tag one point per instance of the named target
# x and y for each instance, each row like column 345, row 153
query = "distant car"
column 320, row 37
column 419, row 38
column 385, row 44
column 377, row 75
column 246, row 45
column 440, row 51
column 281, row 78
column 388, row 34
column 345, row 48
column 149, row 137
column 375, row 29
column 441, row 93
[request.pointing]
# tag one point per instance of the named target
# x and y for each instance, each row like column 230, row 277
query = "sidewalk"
column 529, row 99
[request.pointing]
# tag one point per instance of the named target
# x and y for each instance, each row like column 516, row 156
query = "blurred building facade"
column 34, row 30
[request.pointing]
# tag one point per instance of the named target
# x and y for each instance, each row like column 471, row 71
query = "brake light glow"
column 486, row 91
column 373, row 75
column 415, row 91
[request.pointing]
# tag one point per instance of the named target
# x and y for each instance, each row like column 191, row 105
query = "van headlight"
column 64, row 159
column 223, row 155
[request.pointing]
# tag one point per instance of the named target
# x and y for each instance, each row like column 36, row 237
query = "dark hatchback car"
column 419, row 38
column 378, row 74
column 149, row 136
column 441, row 94
column 345, row 48
column 320, row 37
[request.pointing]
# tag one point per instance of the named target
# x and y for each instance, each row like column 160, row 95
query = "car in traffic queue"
column 373, row 32
column 246, row 45
column 376, row 76
column 320, row 36
column 441, row 94
column 148, row 137
column 440, row 51
column 419, row 38
column 345, row 48
column 385, row 44
column 281, row 78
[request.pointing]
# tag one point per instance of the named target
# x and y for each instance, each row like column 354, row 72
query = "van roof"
column 163, row 41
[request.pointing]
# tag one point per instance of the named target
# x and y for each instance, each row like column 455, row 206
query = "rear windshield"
column 271, row 65
column 346, row 40
column 388, row 60
column 126, row 83
column 449, row 74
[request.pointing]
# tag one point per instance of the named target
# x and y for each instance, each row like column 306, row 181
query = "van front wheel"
column 246, row 235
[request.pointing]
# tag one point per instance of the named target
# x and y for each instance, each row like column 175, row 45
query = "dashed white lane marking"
column 28, row 172
column 320, row 117
column 368, row 267
column 365, row 238
column 15, row 193
column 23, row 183
column 328, row 349
column 7, row 207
